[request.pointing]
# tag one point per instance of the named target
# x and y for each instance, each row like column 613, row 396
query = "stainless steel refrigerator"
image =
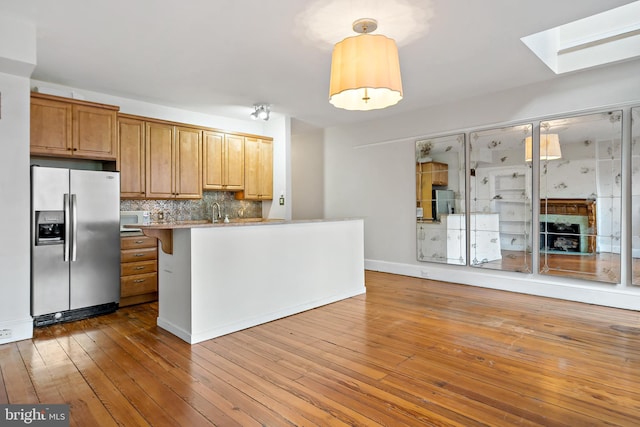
column 75, row 243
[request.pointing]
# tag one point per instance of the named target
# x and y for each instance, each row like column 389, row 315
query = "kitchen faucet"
column 213, row 212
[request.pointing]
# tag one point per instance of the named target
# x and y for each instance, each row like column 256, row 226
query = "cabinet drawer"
column 141, row 254
column 138, row 284
column 142, row 267
column 138, row 242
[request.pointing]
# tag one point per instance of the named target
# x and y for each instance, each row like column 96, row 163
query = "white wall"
column 369, row 173
column 17, row 59
column 279, row 128
column 307, row 177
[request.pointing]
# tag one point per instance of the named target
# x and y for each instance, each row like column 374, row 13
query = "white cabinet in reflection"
column 445, row 241
column 485, row 237
column 432, row 241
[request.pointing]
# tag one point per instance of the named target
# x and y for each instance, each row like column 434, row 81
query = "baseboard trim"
column 553, row 287
column 21, row 329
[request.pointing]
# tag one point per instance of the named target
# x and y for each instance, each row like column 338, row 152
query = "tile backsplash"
column 183, row 210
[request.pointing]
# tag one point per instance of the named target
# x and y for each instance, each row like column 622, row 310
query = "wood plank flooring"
column 410, row 352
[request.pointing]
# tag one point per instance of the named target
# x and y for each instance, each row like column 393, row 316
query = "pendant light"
column 365, row 70
column 549, row 145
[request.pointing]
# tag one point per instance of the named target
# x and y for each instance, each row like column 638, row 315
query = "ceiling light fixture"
column 261, row 111
column 365, row 70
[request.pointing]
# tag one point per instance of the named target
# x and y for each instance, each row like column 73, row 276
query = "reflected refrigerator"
column 443, row 203
column 75, row 243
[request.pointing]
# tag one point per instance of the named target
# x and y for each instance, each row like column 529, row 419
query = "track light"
column 261, row 111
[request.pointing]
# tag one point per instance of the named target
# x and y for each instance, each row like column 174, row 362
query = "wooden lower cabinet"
column 138, row 270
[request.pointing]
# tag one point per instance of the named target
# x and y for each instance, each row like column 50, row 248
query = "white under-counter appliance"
column 133, row 218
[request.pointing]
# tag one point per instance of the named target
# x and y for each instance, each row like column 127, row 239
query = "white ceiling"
column 222, row 56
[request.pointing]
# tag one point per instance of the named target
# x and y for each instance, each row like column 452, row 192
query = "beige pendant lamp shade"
column 365, row 71
column 549, row 147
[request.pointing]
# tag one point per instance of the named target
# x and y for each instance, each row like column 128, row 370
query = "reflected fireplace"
column 568, row 225
column 561, row 237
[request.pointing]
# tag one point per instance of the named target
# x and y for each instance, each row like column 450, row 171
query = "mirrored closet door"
column 635, row 195
column 500, row 199
column 440, row 199
column 580, row 196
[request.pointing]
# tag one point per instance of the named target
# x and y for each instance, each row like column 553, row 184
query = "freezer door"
column 49, row 271
column 95, row 249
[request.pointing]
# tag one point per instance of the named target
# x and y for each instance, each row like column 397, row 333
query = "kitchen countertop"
column 198, row 223
column 131, row 233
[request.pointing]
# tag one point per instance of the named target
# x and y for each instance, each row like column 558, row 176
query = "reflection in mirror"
column 440, row 182
column 500, row 189
column 580, row 196
column 635, row 196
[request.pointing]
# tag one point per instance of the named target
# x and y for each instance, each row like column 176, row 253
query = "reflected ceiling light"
column 549, row 147
column 261, row 111
column 365, row 70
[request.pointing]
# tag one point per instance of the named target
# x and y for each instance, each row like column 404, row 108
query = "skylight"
column 607, row 37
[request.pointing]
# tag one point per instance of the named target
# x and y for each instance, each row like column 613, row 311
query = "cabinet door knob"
column 139, row 280
column 138, row 255
column 139, row 268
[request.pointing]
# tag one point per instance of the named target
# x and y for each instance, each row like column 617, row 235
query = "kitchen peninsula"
column 219, row 278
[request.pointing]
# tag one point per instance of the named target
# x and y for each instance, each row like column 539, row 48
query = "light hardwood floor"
column 409, row 352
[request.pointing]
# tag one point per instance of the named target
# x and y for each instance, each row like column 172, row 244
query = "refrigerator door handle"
column 67, row 228
column 74, row 228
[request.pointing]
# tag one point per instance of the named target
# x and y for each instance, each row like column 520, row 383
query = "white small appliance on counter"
column 133, row 218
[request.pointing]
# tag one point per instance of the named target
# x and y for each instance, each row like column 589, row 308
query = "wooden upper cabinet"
column 94, row 132
column 258, row 170
column 212, row 160
column 440, row 174
column 223, row 161
column 173, row 166
column 62, row 127
column 266, row 169
column 436, row 173
column 131, row 158
column 159, row 160
column 188, row 166
column 50, row 127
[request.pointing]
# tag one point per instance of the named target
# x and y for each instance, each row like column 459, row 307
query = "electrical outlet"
column 5, row 333
column 281, row 200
